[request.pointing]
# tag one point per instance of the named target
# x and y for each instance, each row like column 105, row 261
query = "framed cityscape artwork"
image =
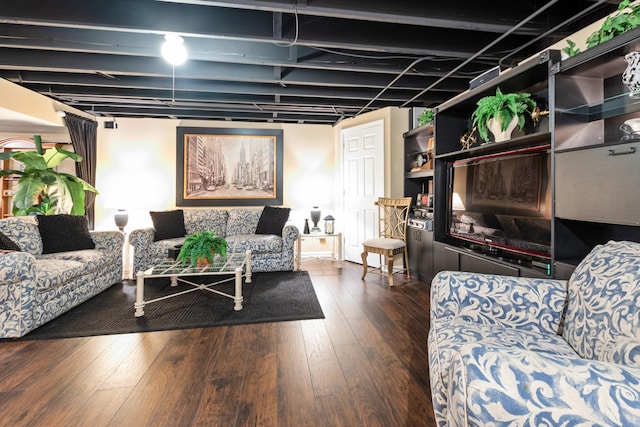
column 228, row 167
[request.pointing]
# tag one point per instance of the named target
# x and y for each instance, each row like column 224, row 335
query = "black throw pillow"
column 168, row 224
column 7, row 244
column 62, row 233
column 272, row 220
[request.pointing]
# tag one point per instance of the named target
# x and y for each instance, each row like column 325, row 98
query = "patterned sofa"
column 501, row 352
column 269, row 252
column 36, row 287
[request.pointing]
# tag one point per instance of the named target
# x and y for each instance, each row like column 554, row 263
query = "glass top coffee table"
column 238, row 265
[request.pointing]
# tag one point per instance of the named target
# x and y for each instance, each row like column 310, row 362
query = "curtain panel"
column 83, row 133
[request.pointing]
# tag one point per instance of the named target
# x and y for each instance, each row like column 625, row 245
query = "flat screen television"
column 501, row 203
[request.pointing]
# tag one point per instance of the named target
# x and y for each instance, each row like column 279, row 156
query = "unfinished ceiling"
column 271, row 60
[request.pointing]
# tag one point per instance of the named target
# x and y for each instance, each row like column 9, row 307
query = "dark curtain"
column 83, row 134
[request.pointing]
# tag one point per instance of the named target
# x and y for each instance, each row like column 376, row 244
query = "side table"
column 336, row 252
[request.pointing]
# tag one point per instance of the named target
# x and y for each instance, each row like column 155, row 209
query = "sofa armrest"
column 290, row 234
column 519, row 387
column 17, row 267
column 520, row 302
column 141, row 237
column 111, row 241
column 17, row 293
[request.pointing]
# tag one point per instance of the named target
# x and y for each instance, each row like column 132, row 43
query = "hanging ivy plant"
column 626, row 17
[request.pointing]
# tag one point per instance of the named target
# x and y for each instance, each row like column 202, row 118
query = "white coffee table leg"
column 139, row 305
column 237, row 299
column 340, row 254
column 248, row 266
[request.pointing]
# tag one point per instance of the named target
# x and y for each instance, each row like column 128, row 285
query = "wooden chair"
column 393, row 214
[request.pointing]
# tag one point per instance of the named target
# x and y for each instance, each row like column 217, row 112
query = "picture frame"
column 228, row 166
column 424, row 200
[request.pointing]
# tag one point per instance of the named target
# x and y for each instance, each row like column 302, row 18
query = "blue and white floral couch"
column 269, row 252
column 35, row 288
column 501, row 351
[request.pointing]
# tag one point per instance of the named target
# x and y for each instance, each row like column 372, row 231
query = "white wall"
column 136, row 165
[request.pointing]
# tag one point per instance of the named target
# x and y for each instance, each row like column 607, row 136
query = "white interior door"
column 363, row 178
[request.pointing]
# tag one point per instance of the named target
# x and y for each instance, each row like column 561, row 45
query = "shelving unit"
column 7, row 183
column 418, row 179
column 592, row 189
column 453, row 120
column 596, row 162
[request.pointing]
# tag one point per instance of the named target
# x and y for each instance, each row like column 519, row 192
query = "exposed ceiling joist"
column 269, row 60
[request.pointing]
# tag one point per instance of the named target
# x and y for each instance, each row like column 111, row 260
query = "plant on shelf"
column 504, row 108
column 571, row 48
column 425, row 117
column 201, row 247
column 625, row 18
column 41, row 189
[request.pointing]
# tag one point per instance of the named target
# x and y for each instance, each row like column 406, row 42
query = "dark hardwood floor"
column 365, row 364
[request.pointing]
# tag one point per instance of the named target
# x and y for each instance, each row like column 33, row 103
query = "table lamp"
column 315, row 217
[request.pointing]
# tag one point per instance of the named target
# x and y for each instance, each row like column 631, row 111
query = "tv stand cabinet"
column 595, row 159
column 420, row 249
column 456, row 258
column 453, row 119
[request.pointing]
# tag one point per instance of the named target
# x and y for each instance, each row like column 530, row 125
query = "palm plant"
column 43, row 190
column 502, row 107
column 202, row 246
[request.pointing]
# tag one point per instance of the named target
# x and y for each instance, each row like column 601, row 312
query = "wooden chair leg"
column 365, row 267
column 406, row 263
column 390, row 269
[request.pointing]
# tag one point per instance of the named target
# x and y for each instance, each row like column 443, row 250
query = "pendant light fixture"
column 173, row 50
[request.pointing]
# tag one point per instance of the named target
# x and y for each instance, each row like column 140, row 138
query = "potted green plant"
column 425, row 117
column 201, row 247
column 501, row 112
column 43, row 190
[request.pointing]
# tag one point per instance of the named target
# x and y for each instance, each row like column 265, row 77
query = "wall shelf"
column 499, row 147
column 427, row 173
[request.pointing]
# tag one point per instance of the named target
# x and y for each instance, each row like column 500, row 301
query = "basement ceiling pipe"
column 481, row 51
column 447, row 75
column 573, row 18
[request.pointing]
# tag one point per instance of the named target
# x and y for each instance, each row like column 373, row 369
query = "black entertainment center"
column 536, row 204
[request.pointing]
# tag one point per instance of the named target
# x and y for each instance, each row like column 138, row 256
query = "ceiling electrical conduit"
column 447, row 75
column 573, row 18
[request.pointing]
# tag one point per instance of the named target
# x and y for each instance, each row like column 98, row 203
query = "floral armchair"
column 539, row 352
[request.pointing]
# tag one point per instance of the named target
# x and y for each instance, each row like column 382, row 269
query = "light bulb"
column 173, row 50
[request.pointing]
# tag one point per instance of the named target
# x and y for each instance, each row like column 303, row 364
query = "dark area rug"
column 271, row 297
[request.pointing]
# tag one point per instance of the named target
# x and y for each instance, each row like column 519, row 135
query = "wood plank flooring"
column 365, row 364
